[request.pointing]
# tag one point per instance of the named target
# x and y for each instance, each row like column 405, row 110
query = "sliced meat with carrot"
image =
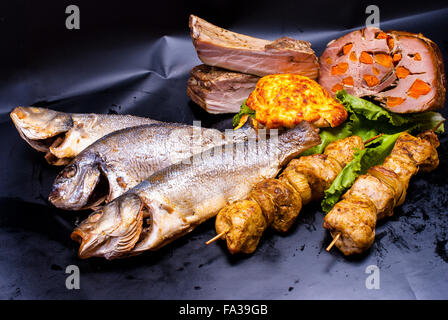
column 382, row 35
column 402, row 71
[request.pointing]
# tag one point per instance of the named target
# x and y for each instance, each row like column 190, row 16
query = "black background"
column 133, row 57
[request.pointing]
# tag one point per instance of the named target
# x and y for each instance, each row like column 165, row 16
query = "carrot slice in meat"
column 383, row 59
column 353, row 56
column 348, row 81
column 389, row 39
column 382, row 35
column 328, row 60
column 365, row 58
column 390, row 43
column 417, row 57
column 394, row 101
column 340, row 68
column 418, row 88
column 346, row 49
column 396, row 57
column 337, row 87
column 375, row 71
column 402, row 72
column 371, row 80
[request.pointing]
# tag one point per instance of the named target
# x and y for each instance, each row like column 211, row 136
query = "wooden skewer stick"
column 373, row 138
column 218, row 236
column 334, row 241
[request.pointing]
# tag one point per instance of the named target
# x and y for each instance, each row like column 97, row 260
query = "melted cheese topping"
column 285, row 100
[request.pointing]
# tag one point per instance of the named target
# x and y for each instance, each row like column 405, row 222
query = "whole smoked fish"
column 62, row 136
column 174, row 200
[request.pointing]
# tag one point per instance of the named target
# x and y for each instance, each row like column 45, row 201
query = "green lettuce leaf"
column 243, row 110
column 384, row 121
column 329, row 135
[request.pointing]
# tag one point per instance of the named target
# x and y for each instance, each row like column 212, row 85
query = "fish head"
column 75, row 140
column 112, row 230
column 78, row 186
column 40, row 123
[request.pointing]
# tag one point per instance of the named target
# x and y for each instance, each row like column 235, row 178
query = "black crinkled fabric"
column 133, row 57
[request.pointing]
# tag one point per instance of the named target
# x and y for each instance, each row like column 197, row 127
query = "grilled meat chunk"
column 286, row 200
column 378, row 192
column 319, row 172
column 355, row 219
column 299, row 181
column 243, row 224
column 392, row 180
column 343, row 150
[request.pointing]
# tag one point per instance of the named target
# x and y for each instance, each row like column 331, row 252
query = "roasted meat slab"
column 218, row 90
column 216, row 46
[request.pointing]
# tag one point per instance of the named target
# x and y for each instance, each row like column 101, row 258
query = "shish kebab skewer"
column 277, row 202
column 374, row 195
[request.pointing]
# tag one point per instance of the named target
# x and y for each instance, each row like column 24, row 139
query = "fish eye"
column 69, row 171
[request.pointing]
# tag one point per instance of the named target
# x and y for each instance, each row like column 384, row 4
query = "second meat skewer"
column 374, row 195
